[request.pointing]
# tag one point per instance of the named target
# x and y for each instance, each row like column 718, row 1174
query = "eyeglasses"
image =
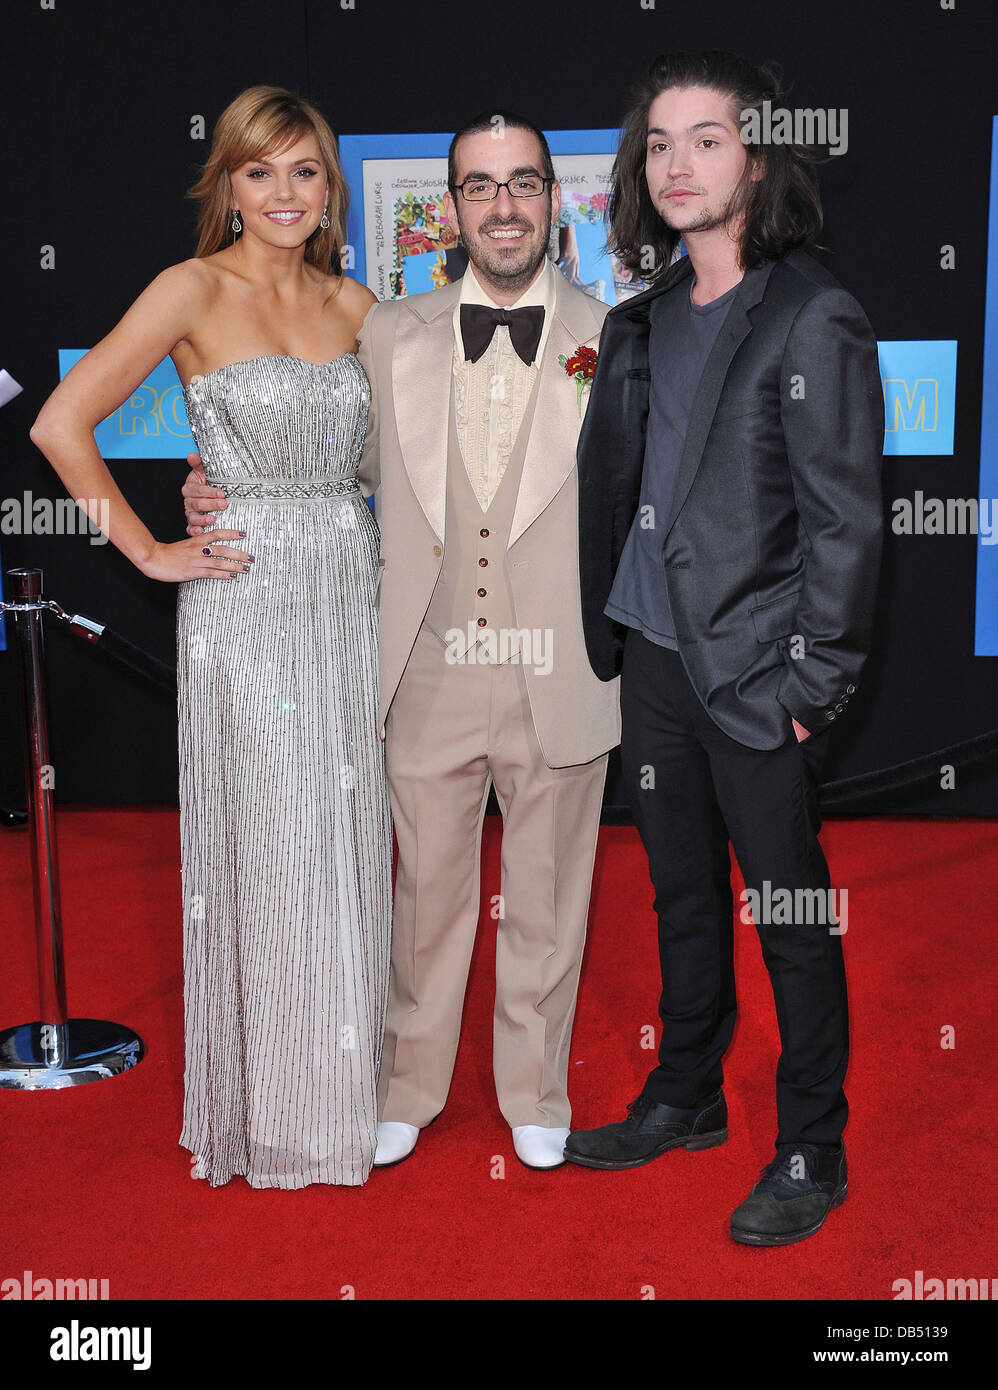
column 484, row 190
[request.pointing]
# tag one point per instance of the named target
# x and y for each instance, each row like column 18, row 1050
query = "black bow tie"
column 479, row 321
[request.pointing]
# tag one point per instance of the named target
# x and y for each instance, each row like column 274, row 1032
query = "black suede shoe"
column 796, row 1192
column 649, row 1130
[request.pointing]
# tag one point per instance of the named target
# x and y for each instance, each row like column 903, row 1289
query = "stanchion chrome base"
column 48, row 1056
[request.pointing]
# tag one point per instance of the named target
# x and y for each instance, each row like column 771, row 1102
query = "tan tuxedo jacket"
column 406, row 349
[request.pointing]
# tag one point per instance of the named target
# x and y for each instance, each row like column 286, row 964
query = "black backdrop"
column 98, row 102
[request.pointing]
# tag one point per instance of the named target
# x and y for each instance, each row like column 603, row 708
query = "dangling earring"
column 325, row 220
column 237, row 226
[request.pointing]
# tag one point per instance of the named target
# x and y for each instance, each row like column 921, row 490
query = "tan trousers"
column 454, row 729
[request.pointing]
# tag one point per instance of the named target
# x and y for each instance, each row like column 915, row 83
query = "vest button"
column 437, row 550
column 481, row 593
column 483, row 562
column 484, row 531
column 481, row 622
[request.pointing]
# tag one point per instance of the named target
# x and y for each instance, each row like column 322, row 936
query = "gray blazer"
column 772, row 546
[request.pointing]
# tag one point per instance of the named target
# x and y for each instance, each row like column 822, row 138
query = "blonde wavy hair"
column 262, row 121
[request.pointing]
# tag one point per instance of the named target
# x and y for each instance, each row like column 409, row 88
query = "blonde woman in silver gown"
column 284, row 819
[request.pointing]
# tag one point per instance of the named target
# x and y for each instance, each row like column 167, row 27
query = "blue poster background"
column 986, row 615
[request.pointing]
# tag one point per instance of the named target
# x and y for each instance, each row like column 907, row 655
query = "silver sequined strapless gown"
column 284, row 818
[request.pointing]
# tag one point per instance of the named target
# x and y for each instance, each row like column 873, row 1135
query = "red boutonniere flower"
column 581, row 367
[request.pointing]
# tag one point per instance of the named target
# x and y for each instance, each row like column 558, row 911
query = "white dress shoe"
column 538, row 1147
column 396, row 1141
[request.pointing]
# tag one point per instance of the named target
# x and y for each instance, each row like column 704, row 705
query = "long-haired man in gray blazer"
column 731, row 522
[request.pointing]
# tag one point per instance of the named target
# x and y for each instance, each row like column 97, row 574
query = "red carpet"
column 95, row 1184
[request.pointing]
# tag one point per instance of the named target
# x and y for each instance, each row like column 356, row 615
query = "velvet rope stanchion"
column 56, row 1051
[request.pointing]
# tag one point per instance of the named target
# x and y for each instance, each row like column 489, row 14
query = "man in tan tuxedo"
column 484, row 676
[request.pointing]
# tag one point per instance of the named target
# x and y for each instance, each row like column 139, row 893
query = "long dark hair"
column 782, row 208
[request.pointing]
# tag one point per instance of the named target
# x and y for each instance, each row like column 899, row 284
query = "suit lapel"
column 549, row 456
column 736, row 328
column 422, row 359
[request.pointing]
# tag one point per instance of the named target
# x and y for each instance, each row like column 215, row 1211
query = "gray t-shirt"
column 681, row 336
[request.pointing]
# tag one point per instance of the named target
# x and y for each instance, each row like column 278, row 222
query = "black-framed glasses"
column 484, row 190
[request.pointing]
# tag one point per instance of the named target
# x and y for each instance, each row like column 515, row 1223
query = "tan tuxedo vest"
column 472, row 591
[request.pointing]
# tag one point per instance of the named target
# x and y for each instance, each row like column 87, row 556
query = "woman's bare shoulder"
column 344, row 295
column 353, row 292
column 352, row 302
column 196, row 280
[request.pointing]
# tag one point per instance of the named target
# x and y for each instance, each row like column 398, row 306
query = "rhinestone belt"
column 285, row 489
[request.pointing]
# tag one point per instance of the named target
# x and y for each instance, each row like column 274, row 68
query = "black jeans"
column 692, row 788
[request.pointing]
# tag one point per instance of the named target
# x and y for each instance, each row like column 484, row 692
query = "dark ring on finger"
column 206, row 550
